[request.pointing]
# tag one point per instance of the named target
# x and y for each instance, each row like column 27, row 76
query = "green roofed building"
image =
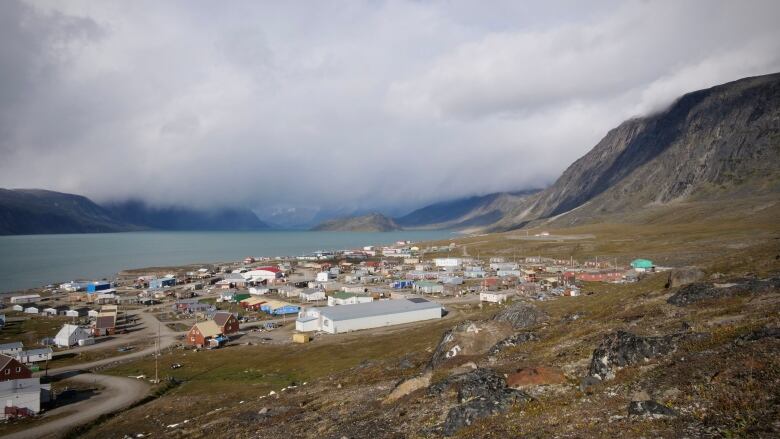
column 642, row 265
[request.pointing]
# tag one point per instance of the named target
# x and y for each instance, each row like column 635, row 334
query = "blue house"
column 155, row 284
column 287, row 309
column 94, row 287
column 399, row 284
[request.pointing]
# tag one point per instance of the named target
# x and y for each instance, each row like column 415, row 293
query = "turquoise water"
column 35, row 260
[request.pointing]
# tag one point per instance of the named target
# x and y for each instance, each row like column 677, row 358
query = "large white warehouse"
column 337, row 319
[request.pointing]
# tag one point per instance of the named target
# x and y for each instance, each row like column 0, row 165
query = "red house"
column 227, row 322
column 10, row 369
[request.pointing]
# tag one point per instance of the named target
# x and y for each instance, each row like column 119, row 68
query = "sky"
column 344, row 105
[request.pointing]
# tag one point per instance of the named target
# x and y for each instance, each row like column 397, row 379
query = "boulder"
column 588, row 384
column 514, row 340
column 650, row 408
column 622, row 348
column 698, row 291
column 480, row 393
column 468, row 339
column 521, row 315
column 684, row 276
column 535, row 376
column 409, row 386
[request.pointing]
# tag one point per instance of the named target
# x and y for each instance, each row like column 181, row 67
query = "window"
column 18, row 369
column 192, row 338
column 8, row 371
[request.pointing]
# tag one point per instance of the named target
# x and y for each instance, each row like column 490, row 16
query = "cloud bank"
column 344, row 105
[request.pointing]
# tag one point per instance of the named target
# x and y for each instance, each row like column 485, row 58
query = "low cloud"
column 345, row 105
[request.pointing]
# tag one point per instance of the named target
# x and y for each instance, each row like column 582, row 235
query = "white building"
column 11, row 349
column 311, row 295
column 24, row 395
column 71, row 335
column 448, row 262
column 34, row 355
column 323, row 276
column 338, row 319
column 29, row 298
column 503, row 266
column 258, row 291
column 506, row 273
column 494, row 296
column 32, row 310
column 268, row 274
column 344, row 298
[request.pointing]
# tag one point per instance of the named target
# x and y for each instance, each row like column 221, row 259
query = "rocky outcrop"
column 517, row 339
column 697, row 292
column 480, row 393
column 684, row 276
column 468, row 339
column 521, row 315
column 650, row 408
column 409, row 386
column 621, row 349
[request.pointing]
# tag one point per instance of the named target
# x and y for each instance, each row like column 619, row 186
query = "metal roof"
column 376, row 308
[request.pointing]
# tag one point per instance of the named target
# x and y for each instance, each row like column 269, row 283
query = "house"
column 506, row 273
column 474, row 273
column 642, row 265
column 11, row 348
column 323, row 276
column 267, row 274
column 252, row 303
column 28, row 298
column 259, row 291
column 448, row 262
column 71, row 335
column 278, row 308
column 600, row 276
column 494, row 296
column 338, row 319
column 55, row 310
column 12, row 369
column 311, row 295
column 202, row 334
column 77, row 312
column 345, row 298
column 19, row 308
column 23, row 397
column 34, row 355
column 427, row 287
column 400, row 284
column 94, row 287
column 289, row 291
column 165, row 282
column 32, row 309
column 105, row 324
column 232, row 280
column 227, row 322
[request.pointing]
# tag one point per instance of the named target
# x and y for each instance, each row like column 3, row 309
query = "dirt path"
column 117, row 393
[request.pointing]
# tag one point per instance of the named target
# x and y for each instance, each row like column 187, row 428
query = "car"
column 175, row 365
column 125, row 349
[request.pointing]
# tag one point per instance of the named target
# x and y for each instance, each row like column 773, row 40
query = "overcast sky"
column 349, row 104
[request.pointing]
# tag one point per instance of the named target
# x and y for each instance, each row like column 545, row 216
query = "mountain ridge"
column 372, row 222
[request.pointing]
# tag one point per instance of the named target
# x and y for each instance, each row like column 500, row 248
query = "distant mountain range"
column 372, row 222
column 35, row 211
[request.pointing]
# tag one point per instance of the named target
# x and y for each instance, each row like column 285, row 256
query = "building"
column 278, row 308
column 77, row 312
column 205, row 334
column 34, row 355
column 426, row 287
column 494, row 296
column 28, row 298
column 401, row 284
column 263, row 274
column 323, row 276
column 72, row 335
column 599, row 276
column 23, row 397
column 11, row 348
column 345, row 298
column 227, row 322
column 311, row 295
column 338, row 319
column 164, row 282
column 448, row 262
column 105, row 324
column 94, row 287
column 12, row 369
column 642, row 265
column 258, row 291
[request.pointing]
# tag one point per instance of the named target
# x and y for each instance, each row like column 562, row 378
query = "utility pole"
column 157, row 355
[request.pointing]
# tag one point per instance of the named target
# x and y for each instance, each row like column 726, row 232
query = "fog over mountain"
column 344, row 106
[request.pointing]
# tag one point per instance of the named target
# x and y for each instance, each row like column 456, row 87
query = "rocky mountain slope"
column 464, row 213
column 372, row 222
column 719, row 143
column 34, row 211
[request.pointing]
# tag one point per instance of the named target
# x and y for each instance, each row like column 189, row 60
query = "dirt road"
column 117, row 394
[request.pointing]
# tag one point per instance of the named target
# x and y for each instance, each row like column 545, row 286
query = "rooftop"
column 376, row 308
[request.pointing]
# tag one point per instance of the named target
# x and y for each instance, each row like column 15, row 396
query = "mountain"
column 36, row 211
column 464, row 212
column 182, row 218
column 714, row 145
column 372, row 222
